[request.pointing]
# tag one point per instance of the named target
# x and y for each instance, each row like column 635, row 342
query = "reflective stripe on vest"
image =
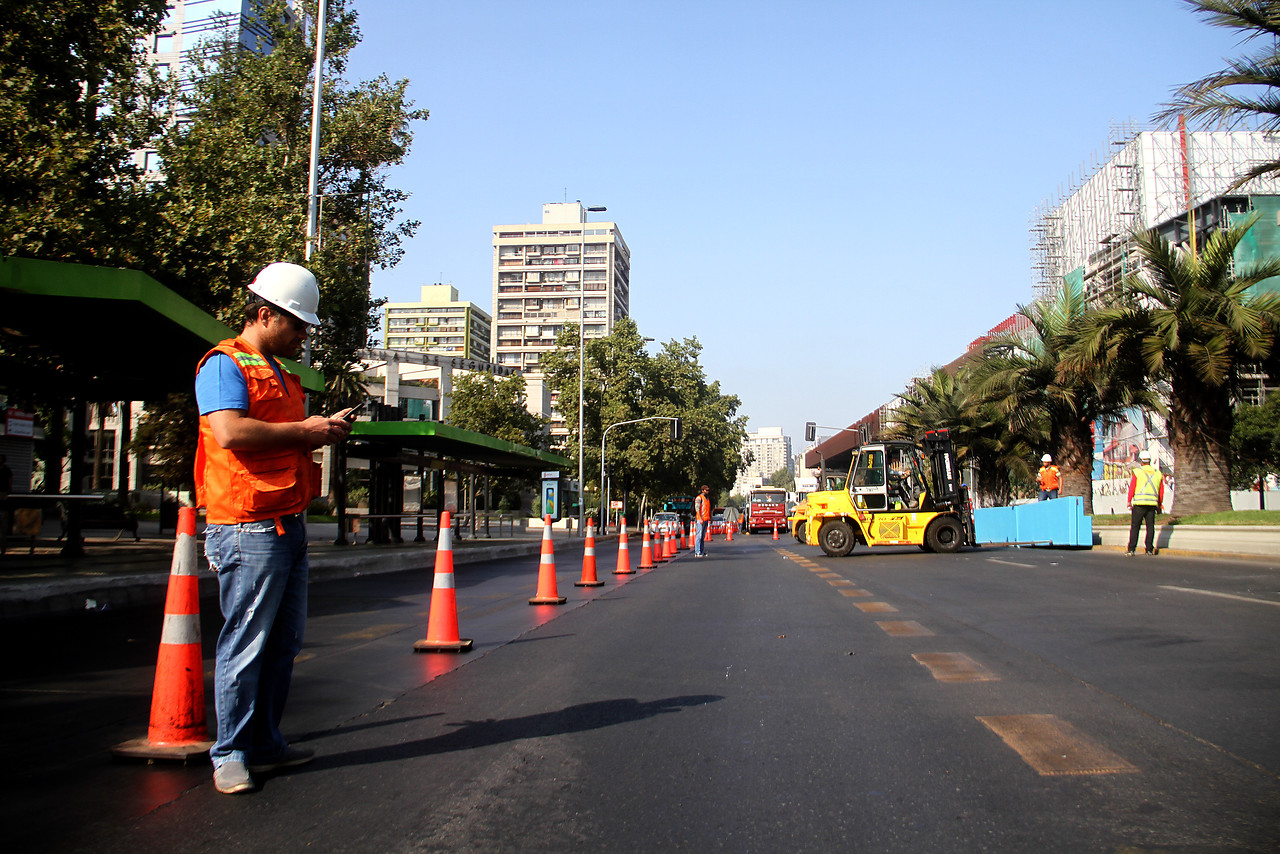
column 1146, row 489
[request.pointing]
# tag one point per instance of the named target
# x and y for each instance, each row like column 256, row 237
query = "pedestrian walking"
column 702, row 516
column 255, row 476
column 1146, row 498
column 1048, row 478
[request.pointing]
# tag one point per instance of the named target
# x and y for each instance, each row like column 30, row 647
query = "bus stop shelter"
column 82, row 333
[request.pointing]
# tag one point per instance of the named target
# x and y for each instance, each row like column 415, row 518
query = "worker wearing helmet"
column 1048, row 478
column 1146, row 498
column 255, row 476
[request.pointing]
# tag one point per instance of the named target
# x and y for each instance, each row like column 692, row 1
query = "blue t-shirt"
column 220, row 384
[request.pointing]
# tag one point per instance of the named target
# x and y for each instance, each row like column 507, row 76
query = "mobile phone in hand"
column 355, row 410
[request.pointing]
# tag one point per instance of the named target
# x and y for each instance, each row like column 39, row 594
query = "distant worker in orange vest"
column 1048, row 478
column 702, row 515
column 255, row 475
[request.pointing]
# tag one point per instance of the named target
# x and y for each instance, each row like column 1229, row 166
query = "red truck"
column 766, row 507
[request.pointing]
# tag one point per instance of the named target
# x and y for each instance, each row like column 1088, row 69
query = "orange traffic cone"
column 684, row 538
column 442, row 621
column 177, row 728
column 624, row 557
column 548, row 594
column 728, row 531
column 775, row 530
column 589, row 559
column 646, row 550
column 673, row 544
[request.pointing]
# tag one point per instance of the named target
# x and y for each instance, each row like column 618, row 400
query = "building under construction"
column 1168, row 180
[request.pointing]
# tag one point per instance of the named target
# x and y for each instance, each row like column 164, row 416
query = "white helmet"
column 289, row 287
column 1144, row 456
column 1046, row 459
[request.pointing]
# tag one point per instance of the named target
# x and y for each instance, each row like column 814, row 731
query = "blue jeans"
column 262, row 581
column 699, row 543
column 1048, row 494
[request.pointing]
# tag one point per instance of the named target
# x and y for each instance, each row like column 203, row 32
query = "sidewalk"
column 120, row 573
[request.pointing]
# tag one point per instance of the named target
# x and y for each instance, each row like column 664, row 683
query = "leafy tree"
column 73, row 102
column 623, row 383
column 1025, row 376
column 1197, row 324
column 784, row 479
column 495, row 406
column 1247, row 92
column 167, row 438
column 1255, row 446
column 236, row 172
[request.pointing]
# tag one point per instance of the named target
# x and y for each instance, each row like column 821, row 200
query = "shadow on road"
column 471, row 734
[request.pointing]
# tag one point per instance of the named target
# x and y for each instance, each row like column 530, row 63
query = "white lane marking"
column 1011, row 563
column 1220, row 595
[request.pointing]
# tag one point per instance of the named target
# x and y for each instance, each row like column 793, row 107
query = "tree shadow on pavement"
column 473, row 734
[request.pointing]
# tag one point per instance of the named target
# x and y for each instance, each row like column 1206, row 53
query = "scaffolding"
column 1149, row 179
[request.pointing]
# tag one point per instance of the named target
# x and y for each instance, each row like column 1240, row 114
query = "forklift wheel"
column 944, row 536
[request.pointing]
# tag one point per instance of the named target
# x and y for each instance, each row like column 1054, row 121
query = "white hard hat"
column 1046, row 459
column 1145, row 456
column 289, row 287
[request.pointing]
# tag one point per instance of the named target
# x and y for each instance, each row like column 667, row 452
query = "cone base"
column 180, row 751
column 548, row 600
column 588, row 584
column 624, row 572
column 460, row 645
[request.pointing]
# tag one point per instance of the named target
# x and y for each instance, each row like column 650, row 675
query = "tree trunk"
column 1199, row 434
column 1076, row 454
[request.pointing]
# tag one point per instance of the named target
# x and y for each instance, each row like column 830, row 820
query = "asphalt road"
column 764, row 699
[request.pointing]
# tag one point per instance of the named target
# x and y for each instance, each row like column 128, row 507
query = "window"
column 164, row 43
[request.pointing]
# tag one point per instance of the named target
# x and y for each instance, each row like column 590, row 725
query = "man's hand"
column 326, row 429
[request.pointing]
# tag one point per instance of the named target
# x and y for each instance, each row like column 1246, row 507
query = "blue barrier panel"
column 1059, row 522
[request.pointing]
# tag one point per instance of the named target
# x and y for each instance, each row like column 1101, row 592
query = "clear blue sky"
column 831, row 196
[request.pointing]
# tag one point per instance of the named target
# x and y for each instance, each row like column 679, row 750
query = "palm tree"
column 1023, row 374
column 1196, row 325
column 1247, row 92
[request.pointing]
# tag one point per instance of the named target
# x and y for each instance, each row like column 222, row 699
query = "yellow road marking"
column 1054, row 748
column 857, row 591
column 828, row 575
column 954, row 667
column 839, row 582
column 875, row 607
column 374, row 632
column 904, row 629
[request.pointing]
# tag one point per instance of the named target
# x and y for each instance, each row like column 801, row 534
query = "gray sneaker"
column 232, row 777
column 288, row 758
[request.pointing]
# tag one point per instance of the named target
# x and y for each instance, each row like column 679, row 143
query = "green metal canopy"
column 105, row 333
column 433, row 437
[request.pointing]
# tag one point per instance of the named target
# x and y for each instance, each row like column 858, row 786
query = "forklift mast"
column 947, row 488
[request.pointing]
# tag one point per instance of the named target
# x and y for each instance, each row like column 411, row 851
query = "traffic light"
column 677, row 428
column 810, row 431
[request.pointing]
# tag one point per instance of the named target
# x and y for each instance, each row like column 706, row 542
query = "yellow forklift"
column 897, row 493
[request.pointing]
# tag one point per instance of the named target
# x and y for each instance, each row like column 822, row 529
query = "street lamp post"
column 582, row 362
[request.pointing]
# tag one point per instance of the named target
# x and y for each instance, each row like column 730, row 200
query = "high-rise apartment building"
column 438, row 323
column 191, row 24
column 563, row 270
column 770, row 450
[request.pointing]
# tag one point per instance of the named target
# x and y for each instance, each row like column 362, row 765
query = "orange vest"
column 249, row 486
column 1049, row 477
column 702, row 509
